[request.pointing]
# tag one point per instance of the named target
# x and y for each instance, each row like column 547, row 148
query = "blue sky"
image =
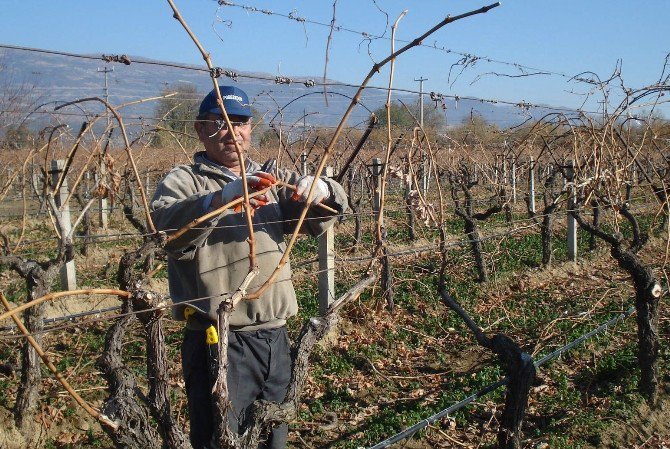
column 566, row 37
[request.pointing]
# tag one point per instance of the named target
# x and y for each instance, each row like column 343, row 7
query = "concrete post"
column 326, row 264
column 572, row 223
column 408, row 181
column 102, row 202
column 376, row 182
column 68, row 275
column 303, row 163
column 531, row 185
column 424, row 175
column 147, row 192
column 513, row 182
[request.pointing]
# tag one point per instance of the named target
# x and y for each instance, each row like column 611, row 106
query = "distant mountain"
column 56, row 79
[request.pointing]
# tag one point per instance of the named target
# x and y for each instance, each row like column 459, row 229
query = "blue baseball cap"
column 235, row 101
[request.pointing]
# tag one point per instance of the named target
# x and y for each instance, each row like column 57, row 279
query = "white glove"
column 303, row 186
column 257, row 181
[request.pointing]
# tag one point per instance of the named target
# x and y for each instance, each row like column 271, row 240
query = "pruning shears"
column 270, row 166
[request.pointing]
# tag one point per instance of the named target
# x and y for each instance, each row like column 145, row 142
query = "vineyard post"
column 326, row 264
column 303, row 163
column 354, row 204
column 514, row 182
column 35, row 180
column 424, row 175
column 430, row 171
column 531, row 184
column 10, row 173
column 572, row 203
column 407, row 179
column 68, row 275
column 378, row 180
column 19, row 186
column 102, row 201
column 146, row 183
column 363, row 186
column 87, row 185
column 376, row 183
column 505, row 179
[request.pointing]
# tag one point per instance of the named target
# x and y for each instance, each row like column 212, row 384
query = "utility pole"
column 421, row 80
column 603, row 107
column 106, row 70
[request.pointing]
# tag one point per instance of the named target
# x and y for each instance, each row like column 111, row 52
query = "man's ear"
column 199, row 128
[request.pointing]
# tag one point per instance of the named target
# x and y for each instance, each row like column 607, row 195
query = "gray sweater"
column 213, row 259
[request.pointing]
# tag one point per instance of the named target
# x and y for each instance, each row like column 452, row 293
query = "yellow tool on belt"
column 211, row 336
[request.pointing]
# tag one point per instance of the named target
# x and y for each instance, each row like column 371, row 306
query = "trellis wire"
column 421, row 249
column 69, row 317
column 313, row 83
column 367, row 35
column 341, row 260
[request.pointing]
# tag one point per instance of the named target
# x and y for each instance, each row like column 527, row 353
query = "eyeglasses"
column 221, row 125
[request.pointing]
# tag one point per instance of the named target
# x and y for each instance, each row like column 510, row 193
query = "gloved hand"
column 303, row 186
column 256, row 181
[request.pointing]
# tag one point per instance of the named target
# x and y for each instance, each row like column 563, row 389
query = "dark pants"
column 259, row 367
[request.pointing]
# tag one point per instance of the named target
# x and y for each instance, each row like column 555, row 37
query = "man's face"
column 219, row 141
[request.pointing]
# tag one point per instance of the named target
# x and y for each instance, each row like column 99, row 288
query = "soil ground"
column 342, row 401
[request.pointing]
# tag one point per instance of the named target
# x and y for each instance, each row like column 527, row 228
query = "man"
column 212, row 260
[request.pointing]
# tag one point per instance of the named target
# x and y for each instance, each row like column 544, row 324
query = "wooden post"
column 572, row 223
column 68, row 275
column 387, row 274
column 326, row 264
column 629, row 191
column 531, row 185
